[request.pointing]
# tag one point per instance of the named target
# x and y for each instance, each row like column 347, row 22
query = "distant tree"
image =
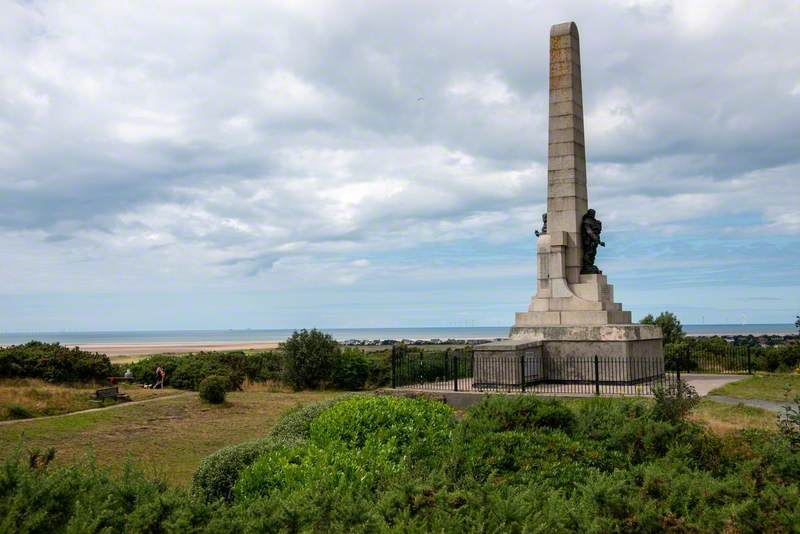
column 670, row 326
column 309, row 357
column 797, row 324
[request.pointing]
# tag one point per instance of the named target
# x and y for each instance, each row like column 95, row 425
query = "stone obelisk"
column 564, row 296
column 573, row 314
column 566, row 153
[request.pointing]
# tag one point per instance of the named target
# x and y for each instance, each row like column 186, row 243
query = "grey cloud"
column 238, row 138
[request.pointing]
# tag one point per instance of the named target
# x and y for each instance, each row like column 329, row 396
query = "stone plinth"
column 628, row 353
column 510, row 362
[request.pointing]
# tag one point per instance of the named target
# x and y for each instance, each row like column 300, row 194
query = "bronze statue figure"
column 544, row 226
column 590, row 238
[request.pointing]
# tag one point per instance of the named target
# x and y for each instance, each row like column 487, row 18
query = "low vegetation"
column 23, row 398
column 723, row 418
column 53, row 362
column 771, row 387
column 212, row 389
column 511, row 464
column 309, row 359
column 167, row 438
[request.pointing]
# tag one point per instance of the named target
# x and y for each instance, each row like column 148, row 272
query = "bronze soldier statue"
column 544, row 226
column 590, row 238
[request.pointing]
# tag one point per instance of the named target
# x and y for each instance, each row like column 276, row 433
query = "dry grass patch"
column 167, row 438
column 724, row 418
column 23, row 398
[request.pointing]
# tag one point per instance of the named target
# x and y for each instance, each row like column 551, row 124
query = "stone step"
column 567, row 318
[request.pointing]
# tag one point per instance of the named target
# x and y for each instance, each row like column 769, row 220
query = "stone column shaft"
column 566, row 155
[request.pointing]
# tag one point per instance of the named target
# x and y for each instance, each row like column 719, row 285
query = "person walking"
column 160, row 376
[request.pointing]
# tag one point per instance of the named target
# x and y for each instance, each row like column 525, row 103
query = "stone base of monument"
column 627, row 354
column 507, row 363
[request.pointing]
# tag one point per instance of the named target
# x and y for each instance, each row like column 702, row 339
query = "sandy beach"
column 138, row 349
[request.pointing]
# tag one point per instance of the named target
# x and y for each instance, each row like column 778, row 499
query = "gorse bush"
column 212, row 389
column 355, row 447
column 519, row 412
column 308, row 359
column 53, row 362
column 789, row 422
column 314, row 360
column 187, row 371
column 410, row 427
column 368, row 465
column 674, row 401
column 217, row 474
column 350, row 369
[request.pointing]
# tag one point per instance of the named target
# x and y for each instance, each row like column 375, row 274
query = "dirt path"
column 101, row 409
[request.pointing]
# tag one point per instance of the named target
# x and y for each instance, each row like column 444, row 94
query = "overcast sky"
column 369, row 164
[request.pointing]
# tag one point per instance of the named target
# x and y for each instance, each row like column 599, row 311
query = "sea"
column 340, row 334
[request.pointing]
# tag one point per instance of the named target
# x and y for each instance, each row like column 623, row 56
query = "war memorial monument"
column 572, row 314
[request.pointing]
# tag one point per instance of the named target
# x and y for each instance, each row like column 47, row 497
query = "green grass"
column 770, row 387
column 167, row 438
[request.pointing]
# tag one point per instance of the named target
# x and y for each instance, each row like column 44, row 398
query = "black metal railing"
column 731, row 360
column 462, row 370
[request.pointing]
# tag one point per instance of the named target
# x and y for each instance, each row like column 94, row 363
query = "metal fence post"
column 596, row 375
column 678, row 364
column 394, row 368
column 454, row 366
column 522, row 370
column 749, row 362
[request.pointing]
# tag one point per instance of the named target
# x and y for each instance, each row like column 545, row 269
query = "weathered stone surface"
column 507, row 363
column 607, row 332
column 573, row 314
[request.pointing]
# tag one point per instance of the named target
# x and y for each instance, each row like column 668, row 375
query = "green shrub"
column 674, row 401
column 671, row 327
column 350, row 370
column 618, row 470
column 217, row 473
column 263, row 366
column 308, row 358
column 187, row 371
column 522, row 456
column 16, row 411
column 84, row 498
column 296, row 423
column 415, row 428
column 789, row 422
column 212, row 389
column 52, row 362
column 379, row 372
column 497, row 413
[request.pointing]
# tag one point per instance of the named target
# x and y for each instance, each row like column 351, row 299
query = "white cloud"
column 293, row 143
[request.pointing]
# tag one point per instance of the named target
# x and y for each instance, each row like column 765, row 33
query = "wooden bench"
column 109, row 393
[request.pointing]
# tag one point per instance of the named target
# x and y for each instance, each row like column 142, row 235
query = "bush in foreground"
column 217, row 473
column 674, row 401
column 212, row 389
column 616, row 469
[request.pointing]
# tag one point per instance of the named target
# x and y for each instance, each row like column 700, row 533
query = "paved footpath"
column 755, row 403
column 104, row 408
column 705, row 384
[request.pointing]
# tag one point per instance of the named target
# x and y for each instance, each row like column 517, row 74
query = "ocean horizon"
column 340, row 334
